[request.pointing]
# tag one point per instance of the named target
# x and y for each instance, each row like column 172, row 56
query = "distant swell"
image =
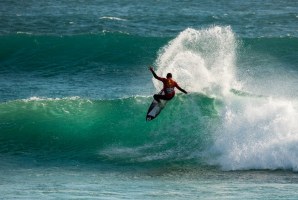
column 73, row 52
column 76, row 52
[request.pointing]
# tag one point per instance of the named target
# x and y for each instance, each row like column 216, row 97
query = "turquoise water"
column 75, row 88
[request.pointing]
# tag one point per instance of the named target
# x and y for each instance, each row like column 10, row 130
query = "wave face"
column 84, row 97
column 105, row 130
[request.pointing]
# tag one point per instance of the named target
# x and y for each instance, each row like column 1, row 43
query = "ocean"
column 75, row 87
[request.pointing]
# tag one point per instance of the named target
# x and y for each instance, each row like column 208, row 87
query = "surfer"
column 168, row 87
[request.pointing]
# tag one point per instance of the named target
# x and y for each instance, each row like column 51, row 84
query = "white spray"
column 200, row 60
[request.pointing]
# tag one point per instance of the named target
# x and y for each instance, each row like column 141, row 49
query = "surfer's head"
column 169, row 75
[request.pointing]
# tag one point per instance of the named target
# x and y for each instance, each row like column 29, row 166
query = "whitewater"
column 254, row 132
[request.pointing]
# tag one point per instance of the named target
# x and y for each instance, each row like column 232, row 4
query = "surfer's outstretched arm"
column 154, row 74
column 179, row 88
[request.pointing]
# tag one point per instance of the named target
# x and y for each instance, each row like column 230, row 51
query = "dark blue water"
column 158, row 18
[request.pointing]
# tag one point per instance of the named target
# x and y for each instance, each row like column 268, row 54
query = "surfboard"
column 155, row 108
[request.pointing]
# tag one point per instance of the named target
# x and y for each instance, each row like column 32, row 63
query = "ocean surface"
column 75, row 88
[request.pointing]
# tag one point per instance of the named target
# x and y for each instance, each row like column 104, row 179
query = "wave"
column 221, row 123
column 242, row 133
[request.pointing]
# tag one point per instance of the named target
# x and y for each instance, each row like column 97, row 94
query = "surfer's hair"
column 169, row 75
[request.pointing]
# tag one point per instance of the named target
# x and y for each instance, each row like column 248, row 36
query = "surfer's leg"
column 157, row 97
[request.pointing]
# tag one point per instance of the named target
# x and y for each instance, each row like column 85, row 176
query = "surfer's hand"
column 151, row 69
